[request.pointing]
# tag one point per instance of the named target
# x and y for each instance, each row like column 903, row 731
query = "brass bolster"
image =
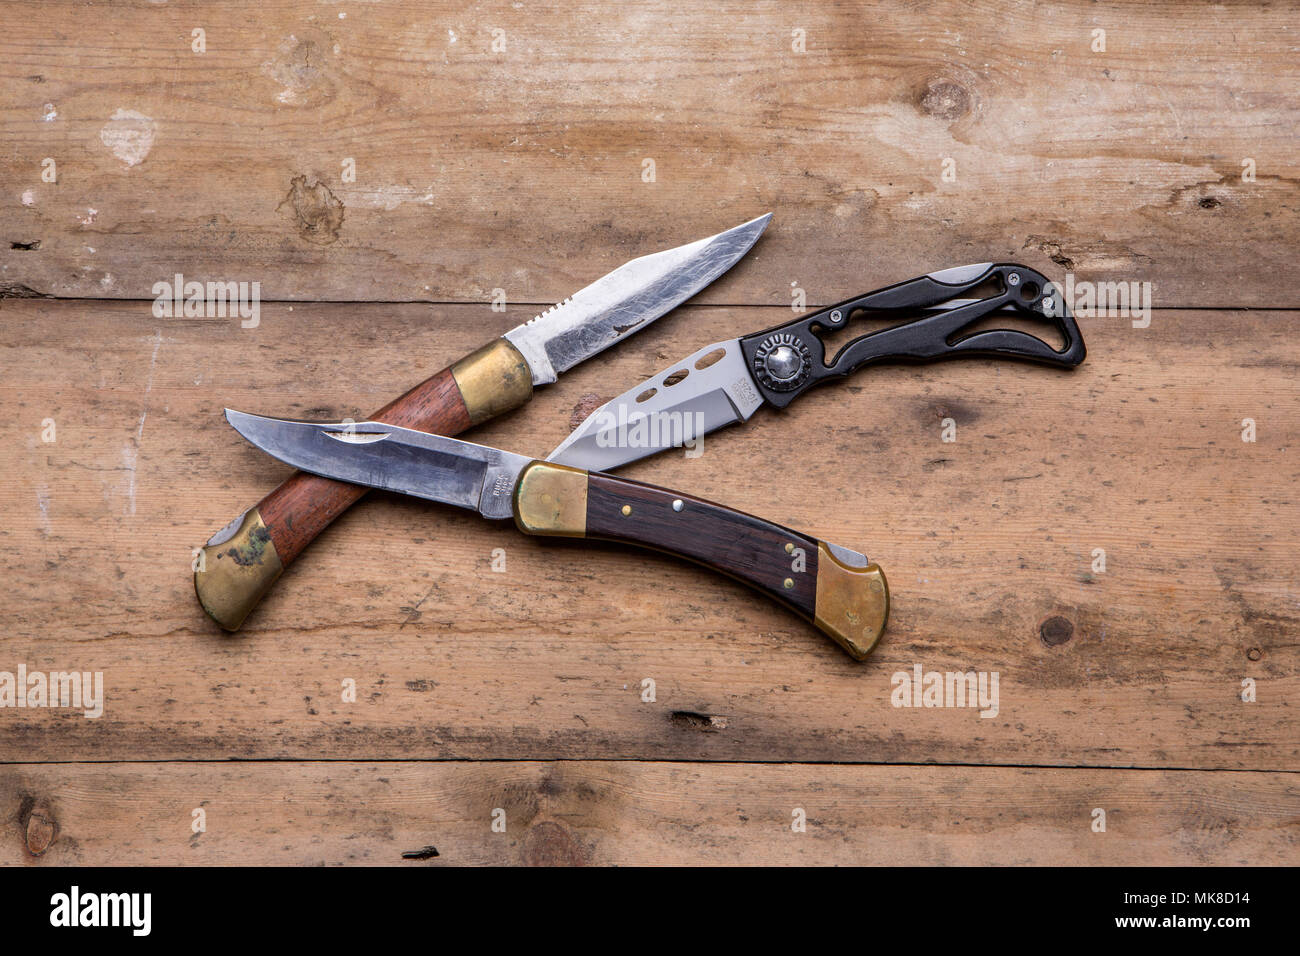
column 236, row 570
column 852, row 603
column 551, row 499
column 492, row 380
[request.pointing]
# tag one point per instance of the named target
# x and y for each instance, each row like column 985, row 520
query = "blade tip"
column 758, row 224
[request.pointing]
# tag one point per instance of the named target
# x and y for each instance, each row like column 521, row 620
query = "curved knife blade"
column 391, row 458
column 626, row 300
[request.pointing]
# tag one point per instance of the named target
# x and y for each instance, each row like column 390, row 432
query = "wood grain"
column 988, row 542
column 629, row 812
column 521, row 169
column 1104, row 541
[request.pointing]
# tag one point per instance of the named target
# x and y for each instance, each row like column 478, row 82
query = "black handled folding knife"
column 729, row 381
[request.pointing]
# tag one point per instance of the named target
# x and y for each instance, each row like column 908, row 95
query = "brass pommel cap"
column 852, row 603
column 235, row 569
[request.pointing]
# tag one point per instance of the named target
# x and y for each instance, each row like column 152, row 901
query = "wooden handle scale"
column 835, row 588
column 241, row 562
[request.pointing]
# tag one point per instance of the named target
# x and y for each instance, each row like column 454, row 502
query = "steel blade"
column 394, row 459
column 716, row 390
column 627, row 300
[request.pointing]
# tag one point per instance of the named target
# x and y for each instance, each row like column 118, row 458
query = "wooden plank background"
column 521, row 171
column 474, row 168
column 631, row 812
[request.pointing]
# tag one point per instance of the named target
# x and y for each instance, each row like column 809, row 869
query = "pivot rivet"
column 627, row 509
column 789, row 548
column 789, row 583
column 677, row 504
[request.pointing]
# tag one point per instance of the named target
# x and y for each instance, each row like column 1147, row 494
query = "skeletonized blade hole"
column 648, row 394
column 713, row 358
column 860, row 322
column 1041, row 327
column 676, row 377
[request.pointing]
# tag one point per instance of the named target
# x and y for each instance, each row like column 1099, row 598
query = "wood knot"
column 945, row 100
column 39, row 825
column 317, row 213
column 1209, row 202
column 549, row 844
column 1055, row 631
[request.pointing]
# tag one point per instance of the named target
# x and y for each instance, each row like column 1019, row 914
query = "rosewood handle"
column 241, row 562
column 835, row 588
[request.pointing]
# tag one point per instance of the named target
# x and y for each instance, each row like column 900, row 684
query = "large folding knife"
column 834, row 587
column 727, row 382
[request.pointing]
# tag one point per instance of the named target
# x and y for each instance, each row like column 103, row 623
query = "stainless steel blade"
column 654, row 416
column 394, row 459
column 707, row 391
column 627, row 300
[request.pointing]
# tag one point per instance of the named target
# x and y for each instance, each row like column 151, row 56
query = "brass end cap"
column 235, row 570
column 852, row 603
column 551, row 499
column 492, row 380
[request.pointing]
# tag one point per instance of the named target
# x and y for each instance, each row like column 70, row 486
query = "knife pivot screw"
column 782, row 362
column 1013, row 278
column 837, row 316
column 677, row 504
column 627, row 510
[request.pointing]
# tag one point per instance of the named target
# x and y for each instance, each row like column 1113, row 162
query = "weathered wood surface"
column 630, row 812
column 987, row 542
column 522, row 169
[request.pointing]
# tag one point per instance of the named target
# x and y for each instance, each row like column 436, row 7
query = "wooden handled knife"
column 241, row 562
column 834, row 587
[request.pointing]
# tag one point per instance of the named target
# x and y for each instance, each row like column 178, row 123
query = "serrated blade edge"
column 627, row 300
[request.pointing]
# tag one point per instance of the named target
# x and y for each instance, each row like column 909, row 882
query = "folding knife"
column 727, row 382
column 243, row 560
column 834, row 587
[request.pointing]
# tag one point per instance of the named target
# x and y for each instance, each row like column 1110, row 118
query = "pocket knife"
column 727, row 382
column 834, row 587
column 245, row 558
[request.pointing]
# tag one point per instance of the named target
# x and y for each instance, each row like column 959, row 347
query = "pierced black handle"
column 790, row 359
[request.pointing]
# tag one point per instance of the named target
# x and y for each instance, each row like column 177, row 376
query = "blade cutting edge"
column 390, row 458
